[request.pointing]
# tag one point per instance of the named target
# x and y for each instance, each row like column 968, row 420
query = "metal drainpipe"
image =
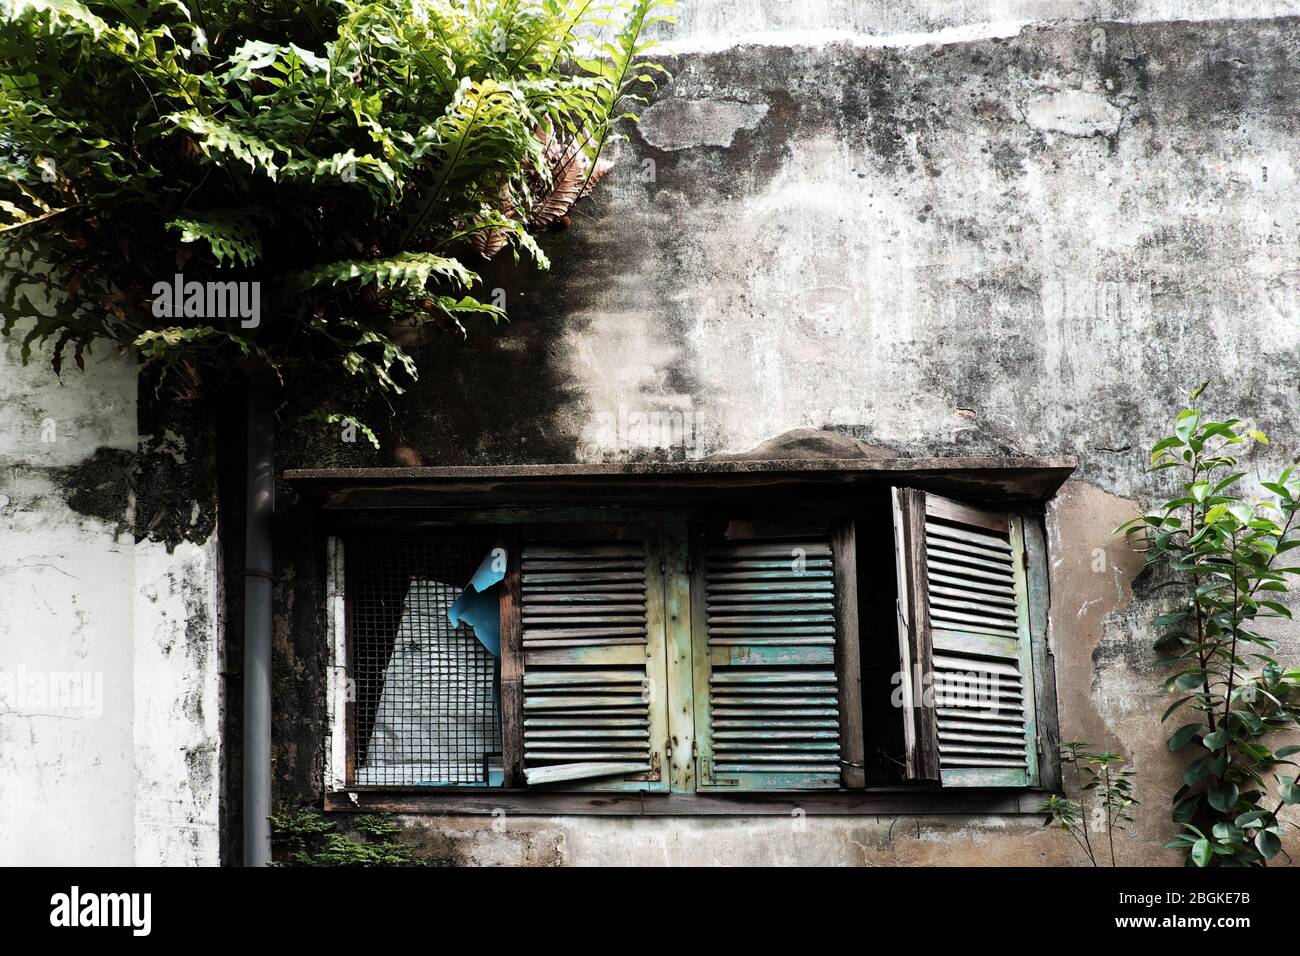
column 260, row 481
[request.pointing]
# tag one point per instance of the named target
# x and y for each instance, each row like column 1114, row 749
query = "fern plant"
column 353, row 158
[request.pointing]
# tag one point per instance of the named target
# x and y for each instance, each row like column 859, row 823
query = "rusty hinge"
column 656, row 767
column 668, row 747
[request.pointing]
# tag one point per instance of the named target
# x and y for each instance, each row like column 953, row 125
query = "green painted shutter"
column 592, row 636
column 767, row 698
column 965, row 643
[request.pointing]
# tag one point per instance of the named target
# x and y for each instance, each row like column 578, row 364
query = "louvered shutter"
column 965, row 643
column 767, row 693
column 592, row 638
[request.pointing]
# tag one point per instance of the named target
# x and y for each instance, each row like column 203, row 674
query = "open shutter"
column 767, row 690
column 965, row 645
column 592, row 638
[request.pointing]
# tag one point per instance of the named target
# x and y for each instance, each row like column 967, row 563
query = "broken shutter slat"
column 767, row 688
column 591, row 634
column 965, row 643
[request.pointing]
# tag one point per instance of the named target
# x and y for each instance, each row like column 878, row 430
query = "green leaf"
column 229, row 234
column 411, row 270
column 1201, row 852
column 1252, row 817
column 1215, row 740
column 1223, row 796
column 1184, row 735
column 1268, row 844
column 216, row 136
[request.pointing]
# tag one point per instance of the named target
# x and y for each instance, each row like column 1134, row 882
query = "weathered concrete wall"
column 125, row 767
column 1000, row 239
column 718, row 24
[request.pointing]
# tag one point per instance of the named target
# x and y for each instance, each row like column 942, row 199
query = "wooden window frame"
column 372, row 498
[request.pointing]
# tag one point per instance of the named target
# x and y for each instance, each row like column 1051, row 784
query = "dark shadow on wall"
column 493, row 395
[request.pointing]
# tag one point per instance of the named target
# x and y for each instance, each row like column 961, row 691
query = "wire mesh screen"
column 425, row 693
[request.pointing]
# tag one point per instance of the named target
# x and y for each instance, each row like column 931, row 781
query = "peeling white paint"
column 681, row 124
column 1074, row 113
column 137, row 783
column 710, row 26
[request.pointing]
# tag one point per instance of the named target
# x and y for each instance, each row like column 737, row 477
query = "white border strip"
column 336, row 675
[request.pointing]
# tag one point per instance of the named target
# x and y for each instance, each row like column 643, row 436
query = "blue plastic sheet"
column 479, row 605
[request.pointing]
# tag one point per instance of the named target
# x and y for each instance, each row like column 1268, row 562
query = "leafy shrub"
column 1224, row 558
column 350, row 157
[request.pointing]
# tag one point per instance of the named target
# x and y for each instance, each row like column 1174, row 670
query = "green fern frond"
column 409, row 270
column 215, row 137
column 229, row 235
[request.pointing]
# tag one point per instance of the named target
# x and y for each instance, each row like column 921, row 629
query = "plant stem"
column 1083, row 810
column 1201, row 654
column 1110, row 825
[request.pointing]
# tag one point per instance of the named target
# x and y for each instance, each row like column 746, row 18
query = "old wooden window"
column 890, row 642
column 965, row 644
column 592, row 702
column 775, row 652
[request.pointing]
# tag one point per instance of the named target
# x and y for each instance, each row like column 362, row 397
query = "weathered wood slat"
column 743, row 575
column 754, row 630
column 720, row 735
column 774, row 677
column 958, row 513
column 808, row 700
column 949, row 662
column 583, row 721
column 588, row 643
column 559, row 702
column 959, row 601
column 722, row 654
column 966, row 536
column 776, row 640
column 533, row 623
column 721, row 711
column 797, row 610
column 776, row 619
column 976, row 645
column 542, row 748
column 586, row 551
column 582, row 577
column 803, row 724
column 540, row 634
column 583, row 771
column 569, row 678
column 733, row 551
column 599, row 732
column 953, row 560
column 998, row 577
column 770, row 590
column 970, row 584
column 598, row 591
